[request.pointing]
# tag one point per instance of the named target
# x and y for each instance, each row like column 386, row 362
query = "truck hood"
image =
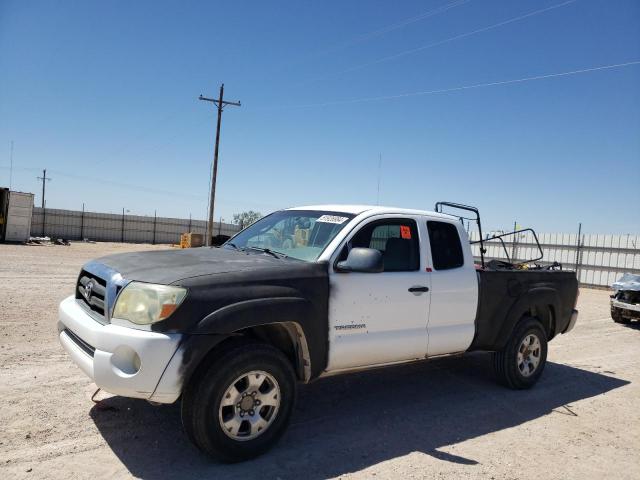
column 170, row 266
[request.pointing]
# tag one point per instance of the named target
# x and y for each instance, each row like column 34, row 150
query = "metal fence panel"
column 113, row 227
column 598, row 259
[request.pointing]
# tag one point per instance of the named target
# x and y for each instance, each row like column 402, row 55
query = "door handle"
column 419, row 289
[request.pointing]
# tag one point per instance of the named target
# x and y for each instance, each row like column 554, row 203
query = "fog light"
column 125, row 361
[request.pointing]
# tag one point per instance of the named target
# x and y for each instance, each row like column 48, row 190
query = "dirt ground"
column 440, row 419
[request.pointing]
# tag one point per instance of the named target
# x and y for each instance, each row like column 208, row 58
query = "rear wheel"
column 239, row 405
column 521, row 362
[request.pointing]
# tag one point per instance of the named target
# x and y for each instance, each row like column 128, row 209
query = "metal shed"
column 16, row 209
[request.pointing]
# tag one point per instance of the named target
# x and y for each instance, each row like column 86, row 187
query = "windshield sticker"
column 405, row 232
column 332, row 219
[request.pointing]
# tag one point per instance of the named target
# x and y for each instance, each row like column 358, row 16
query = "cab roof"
column 372, row 210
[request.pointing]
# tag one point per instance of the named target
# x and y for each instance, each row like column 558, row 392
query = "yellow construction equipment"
column 191, row 240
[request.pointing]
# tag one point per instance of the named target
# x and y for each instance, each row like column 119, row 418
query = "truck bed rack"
column 510, row 263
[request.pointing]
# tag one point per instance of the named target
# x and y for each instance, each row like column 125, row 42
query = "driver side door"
column 379, row 318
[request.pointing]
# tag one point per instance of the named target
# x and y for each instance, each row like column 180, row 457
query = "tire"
column 616, row 315
column 522, row 371
column 254, row 423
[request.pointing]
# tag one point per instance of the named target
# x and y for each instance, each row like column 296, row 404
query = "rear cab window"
column 446, row 249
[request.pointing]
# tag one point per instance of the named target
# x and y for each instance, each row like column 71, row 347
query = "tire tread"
column 504, row 360
column 211, row 376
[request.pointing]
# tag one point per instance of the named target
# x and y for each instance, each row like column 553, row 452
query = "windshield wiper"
column 273, row 253
column 232, row 245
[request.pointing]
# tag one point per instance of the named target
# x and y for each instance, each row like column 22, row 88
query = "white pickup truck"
column 301, row 294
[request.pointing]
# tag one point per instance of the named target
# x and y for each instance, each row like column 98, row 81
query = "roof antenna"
column 379, row 168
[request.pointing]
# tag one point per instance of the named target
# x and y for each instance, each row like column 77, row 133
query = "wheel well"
column 546, row 315
column 287, row 337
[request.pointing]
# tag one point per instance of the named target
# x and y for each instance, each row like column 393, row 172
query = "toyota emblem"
column 87, row 290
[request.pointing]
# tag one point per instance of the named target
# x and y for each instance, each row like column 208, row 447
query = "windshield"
column 301, row 234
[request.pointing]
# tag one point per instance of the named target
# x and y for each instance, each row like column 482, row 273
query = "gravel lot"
column 440, row 419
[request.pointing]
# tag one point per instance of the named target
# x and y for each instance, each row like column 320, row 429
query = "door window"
column 446, row 249
column 396, row 239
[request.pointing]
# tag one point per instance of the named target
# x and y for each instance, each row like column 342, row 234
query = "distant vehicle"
column 218, row 240
column 625, row 302
column 300, row 294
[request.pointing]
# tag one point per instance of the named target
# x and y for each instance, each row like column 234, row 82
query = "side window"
column 397, row 239
column 445, row 245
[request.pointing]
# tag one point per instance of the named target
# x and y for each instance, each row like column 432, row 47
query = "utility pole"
column 155, row 221
column 122, row 229
column 578, row 251
column 515, row 244
column 220, row 104
column 44, row 179
column 82, row 223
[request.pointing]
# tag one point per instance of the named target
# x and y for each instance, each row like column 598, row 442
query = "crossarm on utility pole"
column 215, row 102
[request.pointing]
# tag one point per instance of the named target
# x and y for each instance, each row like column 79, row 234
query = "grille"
column 92, row 291
column 88, row 349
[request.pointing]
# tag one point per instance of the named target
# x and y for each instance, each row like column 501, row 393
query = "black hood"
column 228, row 291
column 170, row 266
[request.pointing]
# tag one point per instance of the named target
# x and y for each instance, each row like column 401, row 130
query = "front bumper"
column 120, row 360
column 572, row 321
column 629, row 311
column 632, row 307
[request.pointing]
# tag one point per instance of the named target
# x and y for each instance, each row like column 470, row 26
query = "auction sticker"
column 332, row 219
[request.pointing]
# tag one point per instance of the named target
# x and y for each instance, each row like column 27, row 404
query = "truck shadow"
column 634, row 325
column 348, row 423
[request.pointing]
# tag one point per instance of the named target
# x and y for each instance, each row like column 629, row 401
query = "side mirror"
column 364, row 260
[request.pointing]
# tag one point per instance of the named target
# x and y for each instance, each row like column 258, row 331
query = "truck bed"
column 507, row 295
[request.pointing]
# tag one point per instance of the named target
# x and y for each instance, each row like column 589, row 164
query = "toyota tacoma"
column 301, row 294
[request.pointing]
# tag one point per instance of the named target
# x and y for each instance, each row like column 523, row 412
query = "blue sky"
column 104, row 95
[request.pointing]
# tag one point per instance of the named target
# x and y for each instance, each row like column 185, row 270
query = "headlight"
column 145, row 303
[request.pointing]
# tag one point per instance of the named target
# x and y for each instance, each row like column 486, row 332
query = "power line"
column 409, row 21
column 141, row 188
column 108, row 182
column 447, row 40
column 145, row 133
column 468, row 87
column 130, row 186
column 395, row 26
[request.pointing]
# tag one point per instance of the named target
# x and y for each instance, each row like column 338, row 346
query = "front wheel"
column 520, row 363
column 240, row 404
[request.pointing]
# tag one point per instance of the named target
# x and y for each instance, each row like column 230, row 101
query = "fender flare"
column 538, row 298
column 253, row 313
column 295, row 314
